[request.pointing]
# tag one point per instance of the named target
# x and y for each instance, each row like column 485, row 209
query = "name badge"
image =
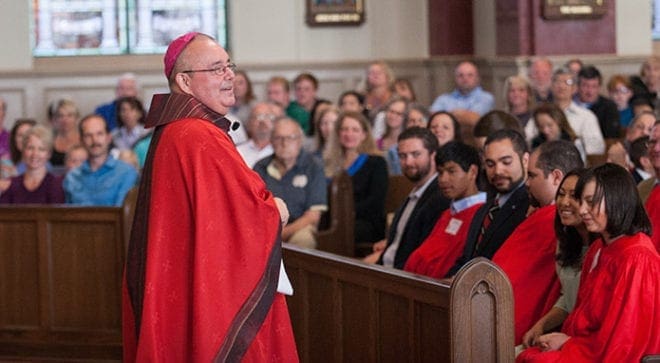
column 453, row 226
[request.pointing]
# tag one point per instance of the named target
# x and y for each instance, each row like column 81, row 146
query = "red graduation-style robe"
column 653, row 209
column 528, row 259
column 617, row 314
column 438, row 253
column 204, row 257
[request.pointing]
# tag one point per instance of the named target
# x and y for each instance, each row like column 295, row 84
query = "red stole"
column 653, row 209
column 528, row 259
column 201, row 277
column 444, row 245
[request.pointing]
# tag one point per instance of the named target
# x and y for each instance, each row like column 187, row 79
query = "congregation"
column 510, row 185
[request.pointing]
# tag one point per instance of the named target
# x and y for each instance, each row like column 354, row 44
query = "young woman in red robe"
column 617, row 314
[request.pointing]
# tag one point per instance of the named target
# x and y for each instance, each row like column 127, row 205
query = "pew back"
column 344, row 310
column 60, row 281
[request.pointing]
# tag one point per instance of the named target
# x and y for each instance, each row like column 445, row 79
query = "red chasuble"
column 653, row 209
column 617, row 313
column 444, row 245
column 528, row 259
column 204, row 256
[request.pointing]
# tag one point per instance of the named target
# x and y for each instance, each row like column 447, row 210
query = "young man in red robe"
column 528, row 255
column 458, row 167
column 653, row 202
column 204, row 258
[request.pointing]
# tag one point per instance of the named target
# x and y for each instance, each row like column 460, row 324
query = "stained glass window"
column 81, row 27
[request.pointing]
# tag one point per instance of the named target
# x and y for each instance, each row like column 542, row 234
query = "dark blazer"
column 420, row 224
column 369, row 190
column 511, row 214
column 608, row 117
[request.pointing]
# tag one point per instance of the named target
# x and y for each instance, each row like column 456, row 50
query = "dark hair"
column 569, row 253
column 590, row 72
column 454, row 121
column 460, row 153
column 557, row 115
column 558, row 154
column 90, row 116
column 517, row 140
column 135, row 103
column 249, row 93
column 639, row 100
column 428, row 139
column 307, row 76
column 408, row 84
column 493, row 121
column 638, row 149
column 356, row 94
column 14, row 153
column 624, row 209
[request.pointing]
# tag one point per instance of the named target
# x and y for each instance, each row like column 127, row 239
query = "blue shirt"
column 106, row 186
column 477, row 100
column 303, row 187
column 109, row 113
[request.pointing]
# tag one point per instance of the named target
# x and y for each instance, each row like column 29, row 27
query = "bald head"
column 466, row 77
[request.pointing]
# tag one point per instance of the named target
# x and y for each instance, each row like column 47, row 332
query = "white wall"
column 633, row 27
column 275, row 31
column 14, row 35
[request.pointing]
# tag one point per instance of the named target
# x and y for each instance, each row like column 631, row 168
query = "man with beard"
column 102, row 179
column 528, row 255
column 414, row 220
column 204, row 259
column 506, row 158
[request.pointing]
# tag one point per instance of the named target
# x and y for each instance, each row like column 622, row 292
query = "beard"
column 508, row 187
column 416, row 174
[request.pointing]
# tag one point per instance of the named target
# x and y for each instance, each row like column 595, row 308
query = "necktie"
column 492, row 213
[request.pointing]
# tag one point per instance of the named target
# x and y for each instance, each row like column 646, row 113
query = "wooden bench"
column 344, row 310
column 338, row 235
column 60, row 281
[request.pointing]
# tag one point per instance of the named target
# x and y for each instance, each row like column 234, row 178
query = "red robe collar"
column 166, row 108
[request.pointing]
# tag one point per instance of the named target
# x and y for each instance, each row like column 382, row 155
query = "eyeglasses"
column 289, row 138
column 218, row 71
column 264, row 117
column 568, row 82
column 651, row 143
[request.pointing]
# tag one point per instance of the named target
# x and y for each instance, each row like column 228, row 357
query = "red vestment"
column 439, row 252
column 528, row 259
column 203, row 264
column 653, row 209
column 617, row 314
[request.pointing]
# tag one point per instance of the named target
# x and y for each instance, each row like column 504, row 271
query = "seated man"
column 506, row 157
column 101, row 179
column 458, row 169
column 468, row 101
column 297, row 177
column 413, row 220
column 639, row 157
column 260, row 128
column 527, row 256
column 588, row 96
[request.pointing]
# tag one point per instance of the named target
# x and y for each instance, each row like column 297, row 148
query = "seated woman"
column 36, row 185
column 573, row 239
column 325, row 123
column 353, row 149
column 64, row 116
column 519, row 99
column 14, row 165
column 617, row 314
column 445, row 127
column 130, row 119
column 552, row 124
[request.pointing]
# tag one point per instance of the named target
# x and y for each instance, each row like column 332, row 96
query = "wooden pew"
column 344, row 310
column 338, row 236
column 60, row 281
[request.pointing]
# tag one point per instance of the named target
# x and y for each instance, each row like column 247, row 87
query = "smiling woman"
column 616, row 317
column 36, row 185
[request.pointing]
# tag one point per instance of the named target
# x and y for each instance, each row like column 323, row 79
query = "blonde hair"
column 388, row 72
column 334, row 155
column 518, row 80
column 40, row 132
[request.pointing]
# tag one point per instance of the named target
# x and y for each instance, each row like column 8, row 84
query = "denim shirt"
column 106, row 186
